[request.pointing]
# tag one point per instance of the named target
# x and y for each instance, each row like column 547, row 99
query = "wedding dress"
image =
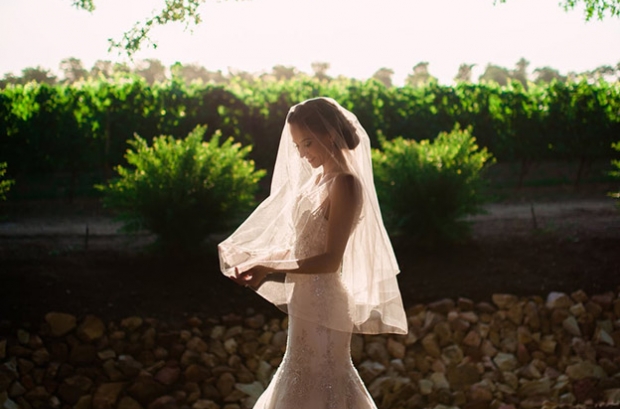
column 316, row 371
column 290, row 226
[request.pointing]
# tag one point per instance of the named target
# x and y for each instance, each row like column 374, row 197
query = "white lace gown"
column 316, row 371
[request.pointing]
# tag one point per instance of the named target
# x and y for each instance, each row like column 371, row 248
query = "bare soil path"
column 48, row 262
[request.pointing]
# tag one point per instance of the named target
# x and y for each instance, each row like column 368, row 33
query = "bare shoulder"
column 346, row 187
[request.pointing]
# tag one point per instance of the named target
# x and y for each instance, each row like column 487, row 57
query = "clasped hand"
column 251, row 277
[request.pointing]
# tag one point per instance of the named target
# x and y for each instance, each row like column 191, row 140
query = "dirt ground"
column 530, row 243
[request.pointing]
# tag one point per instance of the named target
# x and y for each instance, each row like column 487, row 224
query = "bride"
column 317, row 249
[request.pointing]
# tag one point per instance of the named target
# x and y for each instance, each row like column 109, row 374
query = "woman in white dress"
column 317, row 249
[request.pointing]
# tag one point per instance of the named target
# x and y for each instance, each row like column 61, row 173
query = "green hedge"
column 427, row 188
column 83, row 129
column 183, row 189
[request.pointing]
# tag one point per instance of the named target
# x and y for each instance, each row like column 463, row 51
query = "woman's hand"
column 251, row 277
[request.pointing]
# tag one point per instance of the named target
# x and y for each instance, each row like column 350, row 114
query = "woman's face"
column 311, row 147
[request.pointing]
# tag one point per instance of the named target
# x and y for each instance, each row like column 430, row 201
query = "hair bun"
column 319, row 115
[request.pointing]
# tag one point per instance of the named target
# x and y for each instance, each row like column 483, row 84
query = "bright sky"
column 356, row 37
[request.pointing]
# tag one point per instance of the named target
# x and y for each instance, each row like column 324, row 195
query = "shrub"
column 5, row 184
column 616, row 173
column 183, row 190
column 426, row 189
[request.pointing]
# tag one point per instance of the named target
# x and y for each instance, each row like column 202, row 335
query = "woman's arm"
column 345, row 200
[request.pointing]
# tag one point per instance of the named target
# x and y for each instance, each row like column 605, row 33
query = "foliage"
column 82, row 128
column 183, row 190
column 598, row 8
column 184, row 11
column 5, row 184
column 426, row 188
column 616, row 173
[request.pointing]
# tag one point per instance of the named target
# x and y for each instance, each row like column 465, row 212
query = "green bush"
column 616, row 173
column 426, row 189
column 183, row 190
column 5, row 184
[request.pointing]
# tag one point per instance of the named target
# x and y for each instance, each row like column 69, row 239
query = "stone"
column 425, row 386
column 83, row 354
column 462, row 376
column 439, row 381
column 515, row 313
column 106, row 354
column 602, row 337
column 443, row 332
column 41, row 356
column 480, row 392
column 2, row 349
column 377, row 351
column 557, row 300
column 132, row 323
column 256, row 321
column 571, row 326
column 230, row 346
column 127, row 402
column 585, row 369
column 604, row 300
column 504, row 301
column 60, row 323
column 16, row 389
column 196, row 344
column 279, row 340
column 205, row 404
column 532, row 318
column 548, row 345
column 226, row 383
column 465, row 304
column 253, row 390
column 429, row 343
column 106, row 395
column 505, row 362
column 577, row 309
column 612, row 395
column 196, row 373
column 73, row 388
column 540, row 387
column 164, row 402
column 452, row 355
column 264, row 372
column 91, row 329
column 370, row 370
column 443, row 306
column 396, row 349
column 472, row 339
column 145, row 390
column 168, row 375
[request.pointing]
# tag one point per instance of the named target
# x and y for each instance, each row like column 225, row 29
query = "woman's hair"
column 319, row 116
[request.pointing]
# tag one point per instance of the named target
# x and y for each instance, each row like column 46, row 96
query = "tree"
column 73, row 69
column 384, row 75
column 495, row 73
column 282, row 72
column 29, row 74
column 38, row 74
column 420, row 75
column 520, row 72
column 600, row 8
column 102, row 68
column 320, row 70
column 152, row 70
column 464, row 73
column 547, row 74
